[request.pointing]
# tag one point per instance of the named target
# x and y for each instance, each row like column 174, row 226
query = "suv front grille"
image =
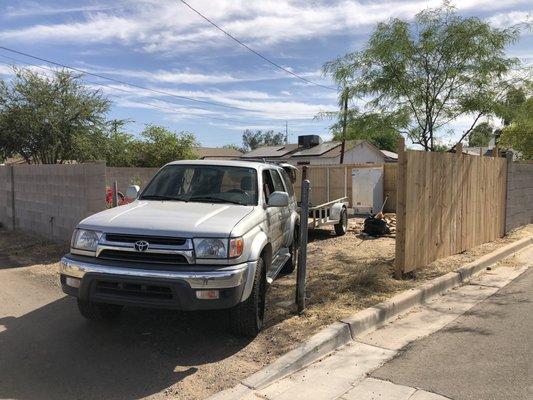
column 162, row 258
column 133, row 290
column 161, row 240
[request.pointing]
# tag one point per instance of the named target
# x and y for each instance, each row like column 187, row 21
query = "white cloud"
column 505, row 20
column 33, row 9
column 170, row 27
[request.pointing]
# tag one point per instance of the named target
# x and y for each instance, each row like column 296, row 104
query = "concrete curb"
column 343, row 332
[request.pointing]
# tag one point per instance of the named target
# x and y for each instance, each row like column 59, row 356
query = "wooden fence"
column 447, row 203
column 329, row 182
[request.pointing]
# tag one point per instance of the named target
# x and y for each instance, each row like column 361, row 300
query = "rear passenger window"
column 287, row 181
column 268, row 185
column 276, row 179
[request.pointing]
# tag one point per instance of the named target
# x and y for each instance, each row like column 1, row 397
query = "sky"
column 165, row 47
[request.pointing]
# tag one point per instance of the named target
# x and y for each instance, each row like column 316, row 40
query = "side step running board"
column 277, row 264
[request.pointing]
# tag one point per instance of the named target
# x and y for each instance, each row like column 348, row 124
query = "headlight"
column 85, row 240
column 211, row 248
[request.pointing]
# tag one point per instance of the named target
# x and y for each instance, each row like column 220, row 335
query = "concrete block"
column 331, row 376
column 423, row 395
column 493, row 257
column 322, row 343
column 498, row 278
column 377, row 316
column 373, row 389
column 239, row 392
column 424, row 320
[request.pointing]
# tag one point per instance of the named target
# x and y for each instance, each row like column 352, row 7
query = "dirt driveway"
column 48, row 351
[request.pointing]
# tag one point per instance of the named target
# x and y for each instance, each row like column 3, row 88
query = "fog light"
column 207, row 294
column 73, row 282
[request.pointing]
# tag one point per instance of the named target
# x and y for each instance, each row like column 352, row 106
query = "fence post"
column 327, row 184
column 302, row 254
column 401, row 180
column 508, row 172
column 12, row 178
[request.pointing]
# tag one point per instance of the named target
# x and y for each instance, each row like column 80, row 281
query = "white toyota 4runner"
column 201, row 235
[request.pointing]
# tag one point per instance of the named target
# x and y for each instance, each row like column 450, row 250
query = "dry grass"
column 345, row 274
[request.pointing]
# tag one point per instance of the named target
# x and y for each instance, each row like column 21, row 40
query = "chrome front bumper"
column 218, row 278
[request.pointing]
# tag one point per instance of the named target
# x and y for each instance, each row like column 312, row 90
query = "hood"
column 169, row 218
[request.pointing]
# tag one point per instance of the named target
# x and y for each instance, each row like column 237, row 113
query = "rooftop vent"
column 307, row 141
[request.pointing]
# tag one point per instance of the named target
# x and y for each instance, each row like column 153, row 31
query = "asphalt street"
column 487, row 353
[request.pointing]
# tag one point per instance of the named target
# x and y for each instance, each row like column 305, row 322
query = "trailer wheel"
column 342, row 226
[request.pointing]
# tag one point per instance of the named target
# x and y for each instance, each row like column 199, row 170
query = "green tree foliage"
column 234, row 147
column 382, row 130
column 437, row 68
column 480, row 136
column 518, row 134
column 251, row 140
column 159, row 146
column 51, row 119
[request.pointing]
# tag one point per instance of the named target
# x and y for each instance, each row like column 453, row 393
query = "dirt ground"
column 345, row 275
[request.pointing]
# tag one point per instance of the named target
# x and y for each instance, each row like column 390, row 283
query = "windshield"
column 204, row 183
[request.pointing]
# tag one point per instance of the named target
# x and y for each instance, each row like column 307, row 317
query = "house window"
column 303, row 163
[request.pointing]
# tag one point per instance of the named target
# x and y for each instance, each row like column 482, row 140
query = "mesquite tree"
column 435, row 69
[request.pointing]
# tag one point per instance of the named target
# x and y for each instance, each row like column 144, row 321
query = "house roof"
column 217, row 152
column 317, row 151
column 271, row 151
column 323, row 150
column 390, row 154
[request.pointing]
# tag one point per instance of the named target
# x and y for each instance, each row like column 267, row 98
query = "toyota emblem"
column 141, row 245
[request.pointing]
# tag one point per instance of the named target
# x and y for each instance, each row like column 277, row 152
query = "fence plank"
column 399, row 265
column 446, row 203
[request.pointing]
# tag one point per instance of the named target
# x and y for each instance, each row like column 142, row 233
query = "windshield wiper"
column 159, row 197
column 214, row 199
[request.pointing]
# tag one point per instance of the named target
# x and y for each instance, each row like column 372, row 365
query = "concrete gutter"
column 348, row 329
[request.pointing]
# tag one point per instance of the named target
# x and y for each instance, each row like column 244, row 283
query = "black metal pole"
column 302, row 254
column 115, row 194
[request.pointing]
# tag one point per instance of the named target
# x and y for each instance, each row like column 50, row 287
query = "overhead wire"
column 152, row 105
column 161, row 92
column 241, row 43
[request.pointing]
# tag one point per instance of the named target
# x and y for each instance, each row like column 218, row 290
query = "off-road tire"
column 246, row 318
column 291, row 263
column 99, row 311
column 342, row 226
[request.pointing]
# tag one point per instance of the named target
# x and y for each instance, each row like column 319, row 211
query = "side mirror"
column 132, row 192
column 278, row 199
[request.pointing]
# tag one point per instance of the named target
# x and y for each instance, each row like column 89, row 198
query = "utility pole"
column 344, row 121
column 286, row 132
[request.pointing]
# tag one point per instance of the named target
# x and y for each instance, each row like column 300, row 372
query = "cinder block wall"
column 51, row 199
column 6, row 219
column 519, row 208
column 129, row 176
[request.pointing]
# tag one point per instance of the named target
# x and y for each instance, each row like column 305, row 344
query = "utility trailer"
column 333, row 212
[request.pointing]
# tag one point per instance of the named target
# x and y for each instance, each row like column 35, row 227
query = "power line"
column 161, row 92
column 156, row 106
column 254, row 51
column 129, row 91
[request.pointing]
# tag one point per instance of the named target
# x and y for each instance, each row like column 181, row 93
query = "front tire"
column 342, row 226
column 291, row 263
column 246, row 318
column 98, row 311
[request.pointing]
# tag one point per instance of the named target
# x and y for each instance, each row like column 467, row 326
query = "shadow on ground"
column 52, row 352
